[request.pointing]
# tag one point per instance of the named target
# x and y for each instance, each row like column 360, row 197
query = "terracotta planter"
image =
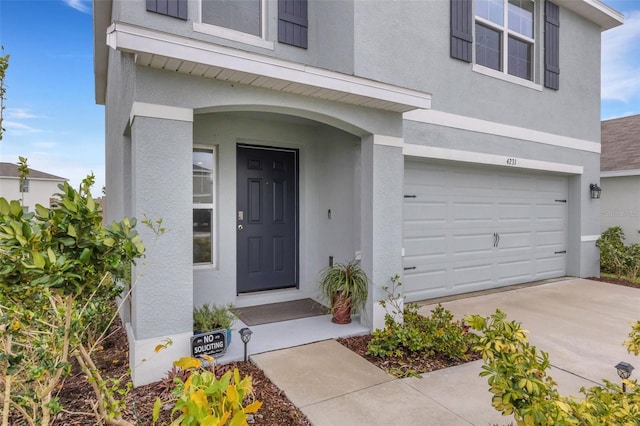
column 341, row 310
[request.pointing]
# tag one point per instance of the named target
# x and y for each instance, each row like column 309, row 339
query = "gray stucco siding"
column 409, row 47
column 330, row 31
column 162, row 152
column 203, row 95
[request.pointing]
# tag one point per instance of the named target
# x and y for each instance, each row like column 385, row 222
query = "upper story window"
column 504, row 35
column 240, row 15
column 243, row 21
column 503, row 39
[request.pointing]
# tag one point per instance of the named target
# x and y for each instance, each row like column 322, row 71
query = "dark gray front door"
column 267, row 218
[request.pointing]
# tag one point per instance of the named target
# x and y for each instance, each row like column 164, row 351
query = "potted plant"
column 345, row 285
column 213, row 317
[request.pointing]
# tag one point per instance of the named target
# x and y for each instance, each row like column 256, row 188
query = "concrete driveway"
column 581, row 323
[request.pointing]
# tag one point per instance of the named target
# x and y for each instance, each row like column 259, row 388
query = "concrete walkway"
column 581, row 323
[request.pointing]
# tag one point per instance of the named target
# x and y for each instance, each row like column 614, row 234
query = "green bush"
column 611, row 245
column 436, row 334
column 615, row 257
column 518, row 379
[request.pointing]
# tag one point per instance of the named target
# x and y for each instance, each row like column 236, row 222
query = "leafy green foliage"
column 57, row 270
column 615, row 257
column 518, row 380
column 204, row 400
column 207, row 318
column 435, row 334
column 345, row 282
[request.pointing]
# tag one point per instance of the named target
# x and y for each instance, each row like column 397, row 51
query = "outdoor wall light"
column 624, row 371
column 245, row 335
column 595, row 190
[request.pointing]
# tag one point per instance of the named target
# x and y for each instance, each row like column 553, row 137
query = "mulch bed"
column 76, row 395
column 618, row 281
column 409, row 364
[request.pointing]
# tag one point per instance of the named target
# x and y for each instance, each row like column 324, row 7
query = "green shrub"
column 518, row 380
column 211, row 317
column 611, row 245
column 204, row 400
column 435, row 334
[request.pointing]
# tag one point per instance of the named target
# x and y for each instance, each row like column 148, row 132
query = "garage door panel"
column 425, row 247
column 472, row 244
column 426, row 211
column 552, row 237
column 449, row 228
column 466, row 212
column 514, row 212
column 425, row 283
column 517, row 271
column 514, row 240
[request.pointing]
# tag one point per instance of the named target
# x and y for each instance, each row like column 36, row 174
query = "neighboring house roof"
column 10, row 170
column 620, row 144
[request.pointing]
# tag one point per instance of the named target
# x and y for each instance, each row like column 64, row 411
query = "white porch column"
column 162, row 298
column 382, row 167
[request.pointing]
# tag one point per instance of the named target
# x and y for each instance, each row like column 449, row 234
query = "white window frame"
column 211, row 206
column 234, row 35
column 23, row 185
column 505, row 33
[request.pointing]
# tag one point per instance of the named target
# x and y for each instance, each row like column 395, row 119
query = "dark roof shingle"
column 620, row 144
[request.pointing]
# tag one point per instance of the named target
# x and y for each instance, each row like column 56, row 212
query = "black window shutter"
column 173, row 8
column 551, row 46
column 293, row 22
column 461, row 35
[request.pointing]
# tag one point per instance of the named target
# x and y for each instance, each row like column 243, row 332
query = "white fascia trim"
column 135, row 39
column 461, row 122
column 620, row 173
column 586, row 238
column 165, row 112
column 422, row 151
column 388, row 141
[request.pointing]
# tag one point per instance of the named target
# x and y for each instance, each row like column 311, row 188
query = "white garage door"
column 469, row 228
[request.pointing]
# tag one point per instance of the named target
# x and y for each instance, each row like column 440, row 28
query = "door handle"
column 495, row 239
column 240, row 227
column 498, row 242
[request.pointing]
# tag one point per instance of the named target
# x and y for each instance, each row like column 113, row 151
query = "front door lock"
column 240, row 227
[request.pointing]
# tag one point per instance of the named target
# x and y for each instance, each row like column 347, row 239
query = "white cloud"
column 19, row 114
column 83, row 6
column 620, row 60
column 15, row 128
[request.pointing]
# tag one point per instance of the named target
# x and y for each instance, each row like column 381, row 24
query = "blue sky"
column 52, row 119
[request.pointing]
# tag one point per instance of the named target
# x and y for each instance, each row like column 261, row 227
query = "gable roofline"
column 10, row 171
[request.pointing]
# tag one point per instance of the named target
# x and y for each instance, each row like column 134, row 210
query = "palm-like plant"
column 346, row 287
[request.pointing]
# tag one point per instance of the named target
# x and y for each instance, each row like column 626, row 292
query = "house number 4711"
column 511, row 161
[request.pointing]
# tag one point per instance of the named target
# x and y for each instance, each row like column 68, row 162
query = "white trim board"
column 388, row 141
column 142, row 109
column 620, row 173
column 421, row 151
column 461, row 122
column 125, row 37
column 587, row 238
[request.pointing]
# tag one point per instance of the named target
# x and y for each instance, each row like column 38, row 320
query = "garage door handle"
column 498, row 242
column 561, row 252
column 408, row 268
